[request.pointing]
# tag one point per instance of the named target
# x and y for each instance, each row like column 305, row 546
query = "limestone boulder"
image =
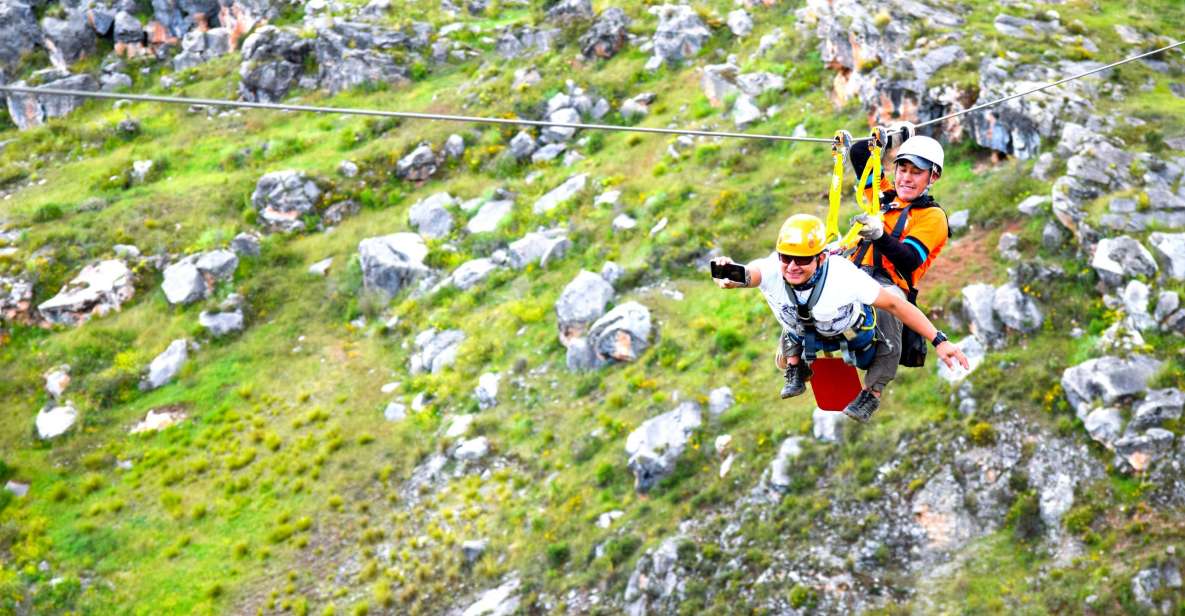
column 97, row 290
column 281, row 198
column 655, row 446
column 391, row 262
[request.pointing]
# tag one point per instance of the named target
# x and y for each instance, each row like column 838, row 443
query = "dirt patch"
column 965, row 261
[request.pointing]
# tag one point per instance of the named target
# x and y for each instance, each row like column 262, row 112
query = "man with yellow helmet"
column 826, row 304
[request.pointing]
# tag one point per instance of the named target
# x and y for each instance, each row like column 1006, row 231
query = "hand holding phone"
column 728, row 271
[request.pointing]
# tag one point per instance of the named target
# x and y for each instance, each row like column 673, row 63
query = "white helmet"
column 922, row 151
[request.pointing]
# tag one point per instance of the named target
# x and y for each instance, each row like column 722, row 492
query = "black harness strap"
column 803, row 312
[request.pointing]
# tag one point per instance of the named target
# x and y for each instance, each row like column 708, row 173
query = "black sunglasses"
column 801, row 261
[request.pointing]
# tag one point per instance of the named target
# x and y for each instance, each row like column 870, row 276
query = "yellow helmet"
column 802, row 235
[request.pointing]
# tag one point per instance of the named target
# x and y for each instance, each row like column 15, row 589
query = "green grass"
column 285, row 472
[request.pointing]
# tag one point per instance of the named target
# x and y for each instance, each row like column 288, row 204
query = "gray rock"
column 611, row 272
column 16, row 488
column 273, row 62
column 282, row 197
column 473, row 449
column 1009, row 246
column 183, row 283
column 559, row 134
column 29, row 110
column 321, row 268
column 347, row 169
column 745, row 111
column 1019, row 27
column 391, row 262
column 940, row 514
column 221, row 323
column 827, row 426
column 1052, row 236
column 718, row 81
column 655, row 446
column 1135, row 296
column 491, row 214
column 472, row 551
column 1109, row 379
column 522, row 145
column 1167, row 303
column 680, row 34
column 430, row 217
column 655, row 585
column 1159, row 406
column 978, row 309
column 395, row 411
column 114, row 82
column 454, row 146
column 581, row 303
column 1104, row 425
column 199, row 47
column 959, row 220
column 419, row 165
column 1016, row 310
column 1141, row 451
column 351, row 54
column 756, row 84
column 1117, row 259
column 98, row 289
column 54, row 421
column 500, row 601
column 68, row 40
column 538, row 247
column 1149, row 582
column 19, row 33
column 571, row 187
column 486, row 391
column 622, row 334
column 436, row 350
column 720, row 400
column 245, row 245
column 218, row 264
column 1171, row 248
column 779, row 470
column 569, row 11
column 637, row 106
column 740, row 23
column 166, row 365
column 57, row 380
column 548, row 152
column 607, row 35
column 471, row 273
column 623, row 222
column 127, row 29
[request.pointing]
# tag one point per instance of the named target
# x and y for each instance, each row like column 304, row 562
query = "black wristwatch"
column 939, row 338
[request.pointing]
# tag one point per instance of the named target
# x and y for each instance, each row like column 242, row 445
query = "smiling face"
column 911, row 181
column 795, row 272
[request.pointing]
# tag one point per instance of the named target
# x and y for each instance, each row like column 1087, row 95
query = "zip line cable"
column 1048, row 85
column 210, row 102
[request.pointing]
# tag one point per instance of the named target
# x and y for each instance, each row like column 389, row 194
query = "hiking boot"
column 796, row 376
column 862, row 408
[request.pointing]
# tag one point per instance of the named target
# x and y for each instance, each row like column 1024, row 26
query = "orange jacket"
column 925, row 233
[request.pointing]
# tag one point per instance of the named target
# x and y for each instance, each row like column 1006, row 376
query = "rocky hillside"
column 270, row 362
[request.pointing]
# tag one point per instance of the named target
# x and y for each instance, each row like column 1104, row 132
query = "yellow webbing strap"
column 872, row 204
column 839, row 148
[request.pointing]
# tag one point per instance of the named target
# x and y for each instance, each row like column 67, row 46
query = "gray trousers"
column 888, row 348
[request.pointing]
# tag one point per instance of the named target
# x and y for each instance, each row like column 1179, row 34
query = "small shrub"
column 558, row 554
column 619, row 549
column 48, row 212
column 981, row 433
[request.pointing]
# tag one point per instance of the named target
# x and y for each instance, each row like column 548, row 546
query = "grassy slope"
column 286, row 471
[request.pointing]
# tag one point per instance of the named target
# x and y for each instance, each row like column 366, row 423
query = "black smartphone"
column 729, row 271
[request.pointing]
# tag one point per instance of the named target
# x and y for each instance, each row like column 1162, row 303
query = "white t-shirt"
column 846, row 289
